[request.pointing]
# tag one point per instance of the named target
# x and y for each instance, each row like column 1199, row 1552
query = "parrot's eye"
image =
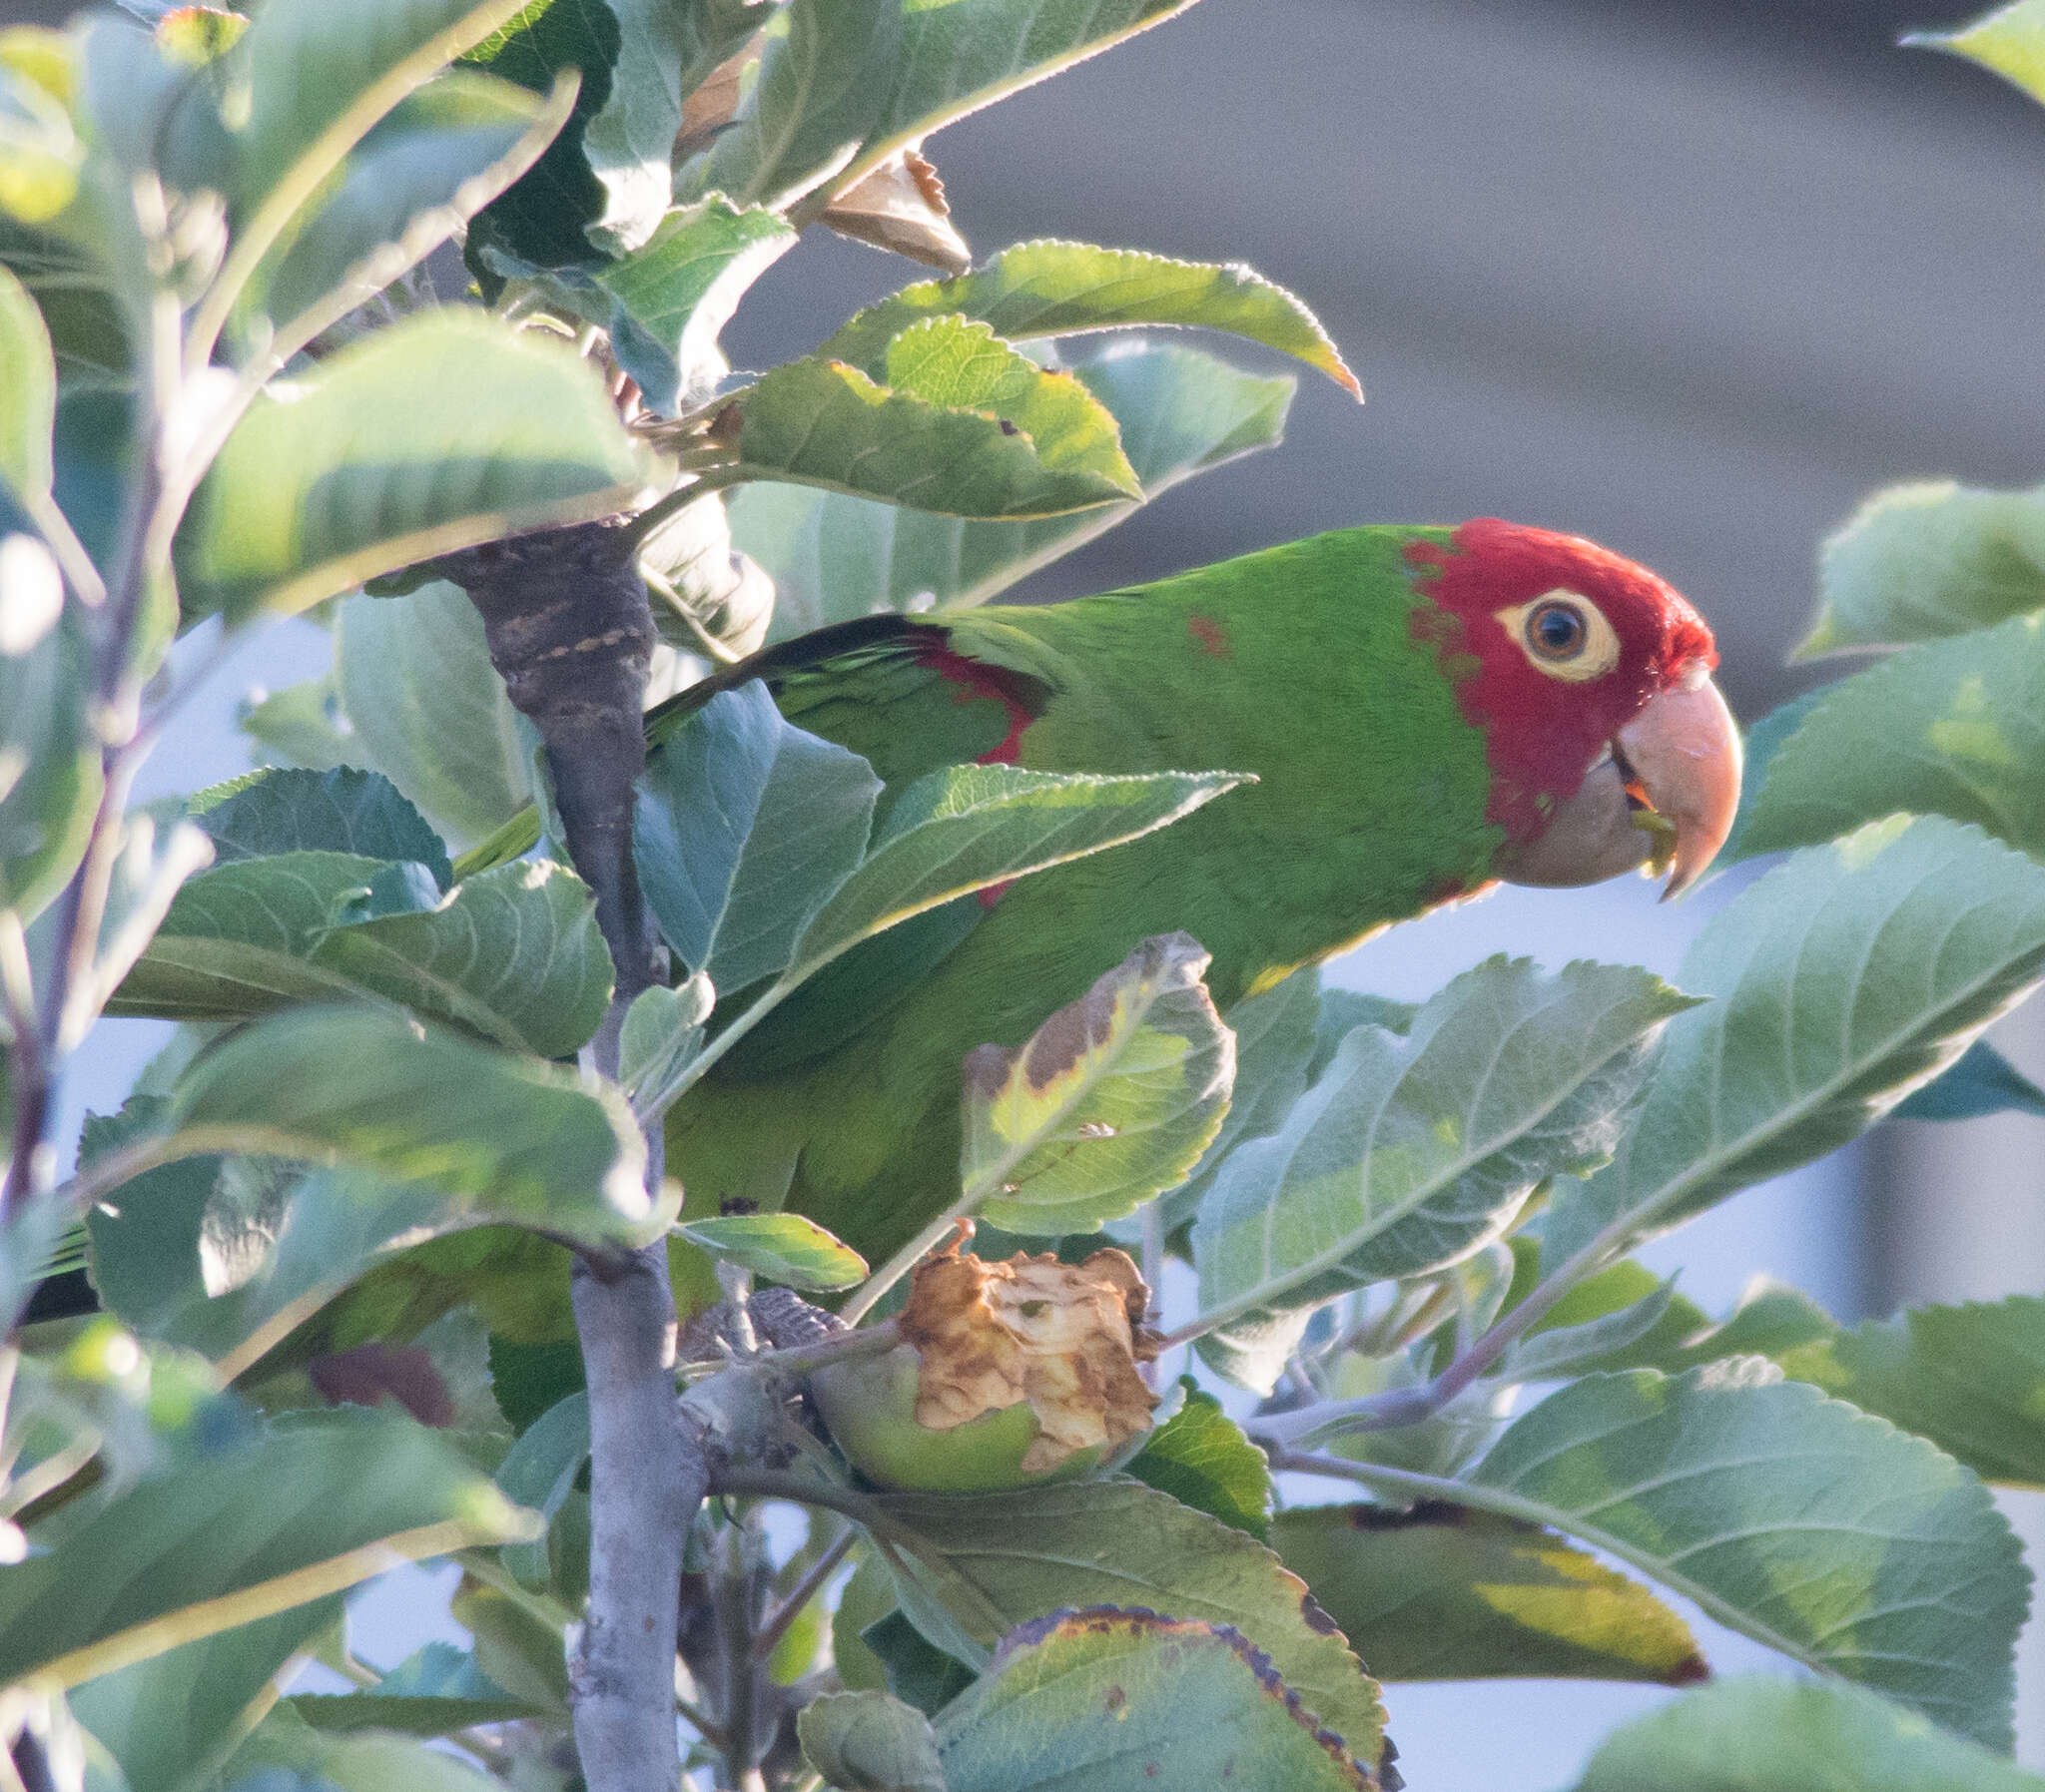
column 1563, row 634
column 1557, row 631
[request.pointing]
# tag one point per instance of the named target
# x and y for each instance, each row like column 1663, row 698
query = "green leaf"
column 286, row 1755
column 963, row 366
column 1409, row 1151
column 238, row 939
column 1274, row 1045
column 299, row 726
column 433, row 1692
column 1920, row 561
column 1201, row 1458
column 665, row 52
column 190, row 1553
column 1771, row 1319
column 302, row 87
column 1822, row 1532
column 28, row 394
column 676, row 292
column 426, row 704
column 821, row 88
column 850, row 85
column 1054, row 288
column 783, row 1247
column 1969, row 1378
column 964, row 828
column 662, row 1034
column 1100, row 1700
column 437, row 159
column 445, row 431
column 833, row 557
column 1763, row 742
column 1980, row 1082
column 1557, row 1350
column 539, row 1472
column 173, row 1720
column 2010, row 41
column 1438, row 1593
column 1081, row 1544
column 1110, row 1100
column 1771, row 1735
column 816, row 422
column 501, row 1136
column 50, row 779
column 869, row 1742
column 343, row 810
column 745, row 825
column 1844, row 978
column 512, row 954
column 1953, row 727
column 40, row 153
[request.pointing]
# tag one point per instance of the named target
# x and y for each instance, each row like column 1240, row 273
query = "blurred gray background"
column 1690, row 277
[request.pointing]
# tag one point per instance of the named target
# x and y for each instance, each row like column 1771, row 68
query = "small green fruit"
column 1010, row 1373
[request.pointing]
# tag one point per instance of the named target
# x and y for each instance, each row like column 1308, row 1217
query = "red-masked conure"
column 1426, row 710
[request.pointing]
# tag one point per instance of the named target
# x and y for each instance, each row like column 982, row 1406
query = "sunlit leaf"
column 1438, row 1593
column 781, row 1247
column 833, row 556
column 1110, row 1100
column 814, row 422
column 674, row 294
column 2010, row 40
column 50, row 777
column 1053, row 289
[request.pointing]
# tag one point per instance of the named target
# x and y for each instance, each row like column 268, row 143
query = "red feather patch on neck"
column 1543, row 735
column 978, row 683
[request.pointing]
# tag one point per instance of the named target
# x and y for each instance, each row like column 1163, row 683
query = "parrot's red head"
column 1608, row 744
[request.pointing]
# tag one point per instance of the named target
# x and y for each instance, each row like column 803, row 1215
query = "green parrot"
column 1427, row 711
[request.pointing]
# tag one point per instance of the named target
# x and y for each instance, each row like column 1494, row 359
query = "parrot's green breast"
column 1306, row 665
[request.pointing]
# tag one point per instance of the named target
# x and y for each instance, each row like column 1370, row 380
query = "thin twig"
column 806, row 1589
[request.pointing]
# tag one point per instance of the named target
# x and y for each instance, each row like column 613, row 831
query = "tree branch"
column 568, row 628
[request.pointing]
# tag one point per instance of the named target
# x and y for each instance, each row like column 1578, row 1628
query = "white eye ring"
column 1593, row 656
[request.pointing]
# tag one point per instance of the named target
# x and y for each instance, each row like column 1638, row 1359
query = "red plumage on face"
column 1542, row 733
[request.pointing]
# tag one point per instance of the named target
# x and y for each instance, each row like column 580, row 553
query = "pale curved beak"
column 1664, row 800
column 1684, row 750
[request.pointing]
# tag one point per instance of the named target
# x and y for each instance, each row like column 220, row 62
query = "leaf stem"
column 1410, row 1406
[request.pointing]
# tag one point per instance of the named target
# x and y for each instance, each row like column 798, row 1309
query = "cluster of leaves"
column 227, row 389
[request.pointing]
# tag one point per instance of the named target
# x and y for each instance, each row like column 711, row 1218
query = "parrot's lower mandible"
column 1427, row 711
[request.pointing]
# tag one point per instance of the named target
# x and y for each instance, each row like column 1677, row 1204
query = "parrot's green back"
column 1305, row 664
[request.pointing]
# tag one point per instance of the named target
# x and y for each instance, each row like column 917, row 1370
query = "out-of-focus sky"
column 1691, row 279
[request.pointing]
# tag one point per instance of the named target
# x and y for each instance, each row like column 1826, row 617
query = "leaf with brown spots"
column 1438, row 1593
column 1110, row 1100
column 1016, row 1556
column 1097, row 1700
